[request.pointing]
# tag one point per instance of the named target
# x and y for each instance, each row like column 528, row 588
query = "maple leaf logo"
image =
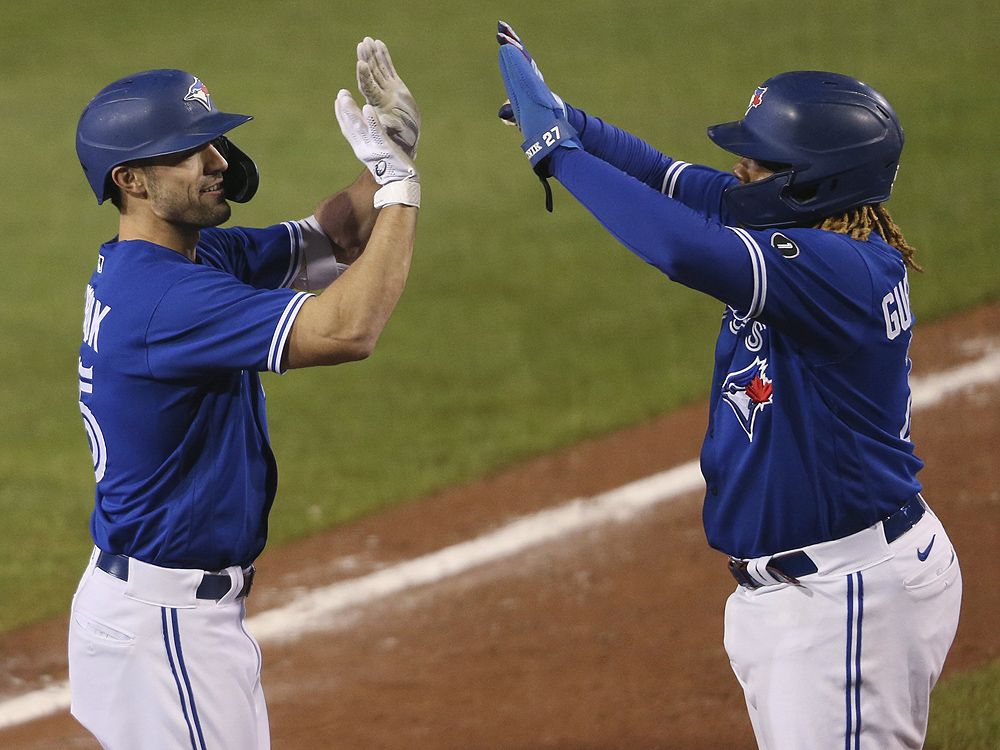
column 759, row 391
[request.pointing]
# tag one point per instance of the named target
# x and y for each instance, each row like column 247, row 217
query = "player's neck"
column 178, row 237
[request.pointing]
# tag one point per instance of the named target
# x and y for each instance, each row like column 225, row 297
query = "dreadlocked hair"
column 861, row 221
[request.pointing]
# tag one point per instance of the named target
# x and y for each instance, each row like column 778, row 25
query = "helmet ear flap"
column 241, row 180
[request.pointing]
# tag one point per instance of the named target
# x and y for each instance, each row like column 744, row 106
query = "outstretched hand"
column 540, row 117
column 383, row 89
column 539, row 114
column 388, row 164
column 507, row 35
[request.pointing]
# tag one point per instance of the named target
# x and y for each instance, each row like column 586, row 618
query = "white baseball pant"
column 151, row 666
column 846, row 659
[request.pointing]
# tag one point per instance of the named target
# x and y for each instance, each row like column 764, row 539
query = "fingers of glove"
column 507, row 35
column 364, row 48
column 513, row 81
column 517, row 69
column 378, row 80
column 368, row 66
column 374, row 53
column 384, row 61
column 382, row 87
column 349, row 117
column 368, row 86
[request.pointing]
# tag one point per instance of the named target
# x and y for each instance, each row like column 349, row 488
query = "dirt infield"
column 609, row 638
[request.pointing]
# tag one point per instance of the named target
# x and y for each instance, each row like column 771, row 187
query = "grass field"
column 519, row 331
column 965, row 712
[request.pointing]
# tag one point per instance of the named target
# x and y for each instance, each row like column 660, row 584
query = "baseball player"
column 180, row 318
column 848, row 589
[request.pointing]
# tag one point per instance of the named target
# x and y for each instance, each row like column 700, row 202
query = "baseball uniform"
column 849, row 588
column 175, row 417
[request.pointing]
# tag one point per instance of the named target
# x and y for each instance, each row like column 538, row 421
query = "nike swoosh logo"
column 922, row 555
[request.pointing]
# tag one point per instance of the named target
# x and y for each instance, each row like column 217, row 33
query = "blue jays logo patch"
column 198, row 92
column 756, row 100
column 747, row 392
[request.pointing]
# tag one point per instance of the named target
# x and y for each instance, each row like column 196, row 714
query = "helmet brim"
column 735, row 138
column 208, row 129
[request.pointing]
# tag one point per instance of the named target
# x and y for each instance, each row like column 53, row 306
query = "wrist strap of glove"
column 538, row 150
column 400, row 192
column 559, row 133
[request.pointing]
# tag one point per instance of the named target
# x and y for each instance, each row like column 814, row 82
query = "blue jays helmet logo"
column 747, row 392
column 198, row 92
column 756, row 100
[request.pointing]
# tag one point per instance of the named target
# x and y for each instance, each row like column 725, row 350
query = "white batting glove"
column 384, row 89
column 390, row 167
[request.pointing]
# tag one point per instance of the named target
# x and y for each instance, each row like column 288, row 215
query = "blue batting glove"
column 538, row 115
column 507, row 35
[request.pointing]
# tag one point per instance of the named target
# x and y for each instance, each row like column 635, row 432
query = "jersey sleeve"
column 696, row 186
column 814, row 298
column 294, row 254
column 207, row 322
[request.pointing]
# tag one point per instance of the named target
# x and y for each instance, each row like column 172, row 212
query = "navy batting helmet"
column 833, row 141
column 154, row 113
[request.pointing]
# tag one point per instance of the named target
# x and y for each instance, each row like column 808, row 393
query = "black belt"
column 794, row 565
column 212, row 586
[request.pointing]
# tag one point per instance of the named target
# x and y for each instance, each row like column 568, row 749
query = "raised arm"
column 348, row 217
column 617, row 147
column 345, row 321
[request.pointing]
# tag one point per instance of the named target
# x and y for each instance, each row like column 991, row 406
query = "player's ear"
column 130, row 179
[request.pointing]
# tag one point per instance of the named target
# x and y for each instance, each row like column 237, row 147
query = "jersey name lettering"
column 93, row 313
column 896, row 309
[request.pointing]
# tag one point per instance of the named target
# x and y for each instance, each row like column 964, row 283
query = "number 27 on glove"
column 550, row 138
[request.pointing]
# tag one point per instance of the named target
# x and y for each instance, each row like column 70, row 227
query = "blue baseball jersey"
column 808, row 437
column 171, row 397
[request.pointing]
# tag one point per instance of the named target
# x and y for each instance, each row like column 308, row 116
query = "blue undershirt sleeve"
column 619, row 148
column 687, row 246
column 696, row 186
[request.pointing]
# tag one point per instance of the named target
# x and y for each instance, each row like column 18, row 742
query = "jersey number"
column 98, row 448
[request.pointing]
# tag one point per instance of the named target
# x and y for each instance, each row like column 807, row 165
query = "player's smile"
column 187, row 188
column 214, row 189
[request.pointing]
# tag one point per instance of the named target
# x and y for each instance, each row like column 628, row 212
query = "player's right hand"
column 371, row 143
column 382, row 88
column 507, row 36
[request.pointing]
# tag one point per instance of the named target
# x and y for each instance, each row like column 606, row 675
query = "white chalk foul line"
column 311, row 612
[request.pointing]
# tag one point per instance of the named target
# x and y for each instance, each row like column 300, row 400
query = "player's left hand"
column 507, row 35
column 383, row 89
column 391, row 167
column 541, row 118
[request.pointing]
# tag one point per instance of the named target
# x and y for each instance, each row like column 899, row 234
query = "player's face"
column 186, row 188
column 749, row 170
